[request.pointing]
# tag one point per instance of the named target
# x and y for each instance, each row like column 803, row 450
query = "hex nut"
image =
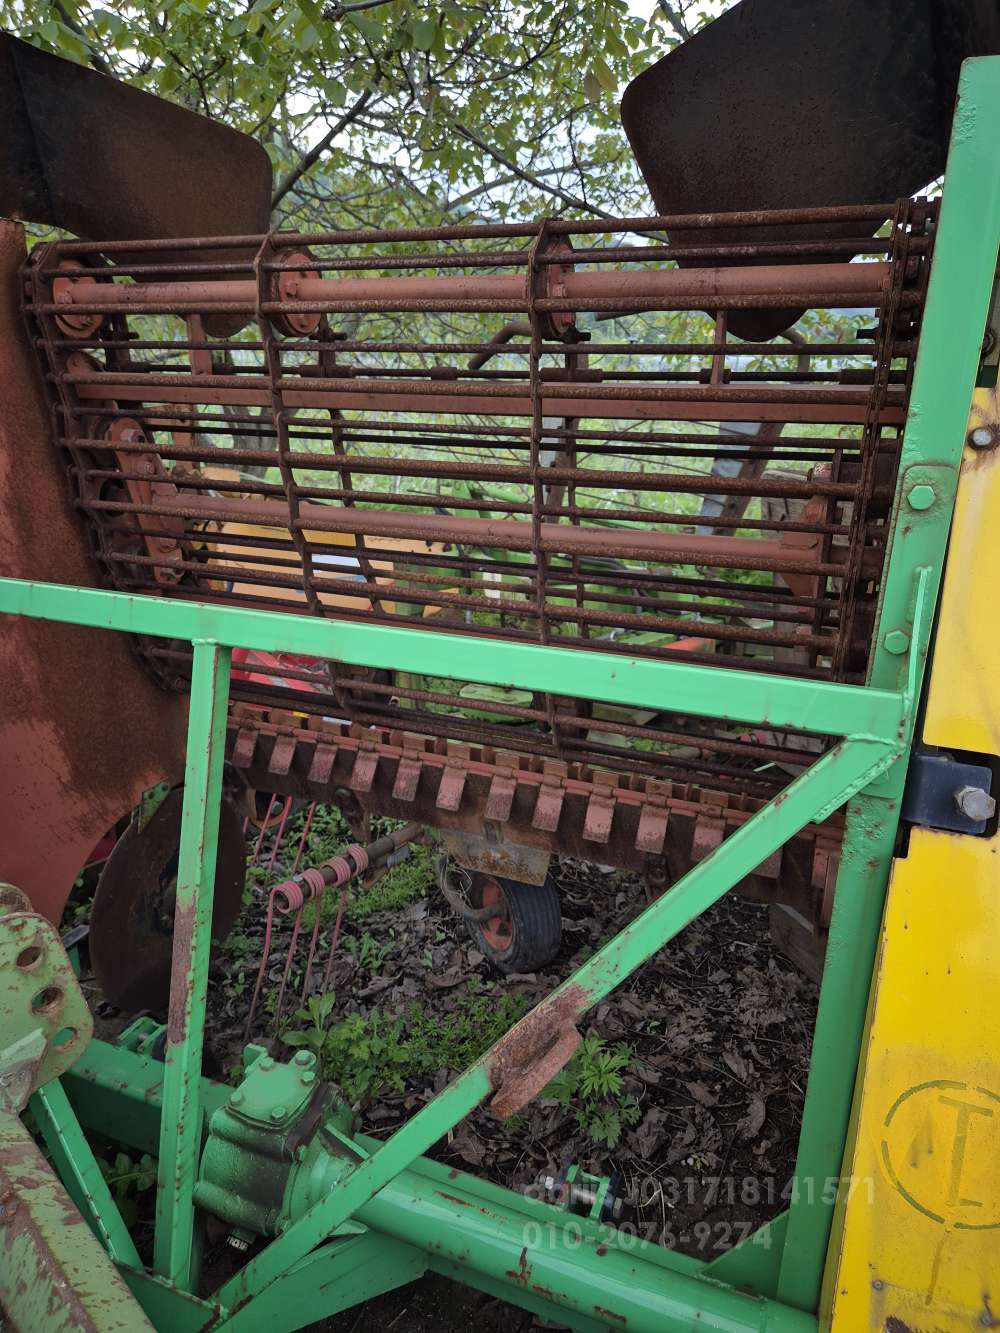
column 896, row 642
column 975, row 803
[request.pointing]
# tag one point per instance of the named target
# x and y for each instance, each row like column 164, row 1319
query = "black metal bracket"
column 943, row 792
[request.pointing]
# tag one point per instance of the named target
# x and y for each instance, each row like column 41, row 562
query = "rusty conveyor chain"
column 428, row 464
column 615, row 818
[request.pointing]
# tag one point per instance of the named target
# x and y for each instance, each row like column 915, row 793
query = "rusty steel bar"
column 511, row 535
column 812, row 284
column 521, row 481
column 473, row 231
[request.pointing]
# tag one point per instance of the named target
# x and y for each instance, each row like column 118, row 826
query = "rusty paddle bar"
column 815, row 285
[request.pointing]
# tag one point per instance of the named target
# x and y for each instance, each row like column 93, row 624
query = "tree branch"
column 308, row 160
column 527, row 176
column 675, row 17
column 499, row 181
column 93, row 59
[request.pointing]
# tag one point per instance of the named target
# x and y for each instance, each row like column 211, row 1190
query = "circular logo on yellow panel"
column 941, row 1150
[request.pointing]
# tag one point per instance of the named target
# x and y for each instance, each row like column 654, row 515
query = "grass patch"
column 365, row 1054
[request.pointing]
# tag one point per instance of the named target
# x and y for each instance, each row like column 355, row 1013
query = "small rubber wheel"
column 526, row 932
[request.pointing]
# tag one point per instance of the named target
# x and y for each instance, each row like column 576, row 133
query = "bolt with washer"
column 975, row 803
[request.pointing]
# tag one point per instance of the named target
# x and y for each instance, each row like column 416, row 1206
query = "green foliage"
column 127, row 1177
column 452, row 110
column 406, row 883
column 367, row 952
column 591, row 1088
column 368, row 1053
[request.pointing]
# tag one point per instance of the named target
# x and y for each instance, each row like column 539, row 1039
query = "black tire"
column 527, row 931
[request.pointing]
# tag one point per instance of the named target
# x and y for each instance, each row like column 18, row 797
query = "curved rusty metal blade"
column 132, row 920
column 83, row 729
column 99, row 158
column 802, row 103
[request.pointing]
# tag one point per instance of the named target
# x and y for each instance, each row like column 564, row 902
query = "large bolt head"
column 920, row 497
column 975, row 803
column 982, row 437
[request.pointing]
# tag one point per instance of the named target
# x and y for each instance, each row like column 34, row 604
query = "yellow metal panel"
column 963, row 704
column 916, row 1240
column 921, row 1221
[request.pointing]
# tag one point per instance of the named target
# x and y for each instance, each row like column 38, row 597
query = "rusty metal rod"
column 512, row 535
column 859, row 284
column 472, row 231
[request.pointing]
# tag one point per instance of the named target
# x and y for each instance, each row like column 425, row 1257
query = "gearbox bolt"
column 278, row 1113
column 304, row 1058
column 975, row 803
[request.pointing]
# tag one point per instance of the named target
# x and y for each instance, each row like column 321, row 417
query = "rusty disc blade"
column 131, row 925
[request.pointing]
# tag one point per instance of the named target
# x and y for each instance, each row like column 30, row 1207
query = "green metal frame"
column 782, row 1265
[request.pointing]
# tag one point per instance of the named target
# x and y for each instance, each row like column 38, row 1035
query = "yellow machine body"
column 916, row 1245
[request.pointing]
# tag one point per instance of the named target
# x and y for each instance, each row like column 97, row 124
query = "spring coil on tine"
column 291, row 895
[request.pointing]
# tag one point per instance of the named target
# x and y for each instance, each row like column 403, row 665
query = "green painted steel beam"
column 181, row 1129
column 74, row 1160
column 833, row 779
column 586, row 1274
column 54, row 1275
column 951, row 339
column 961, row 281
column 337, row 1276
column 817, row 706
column 564, row 1268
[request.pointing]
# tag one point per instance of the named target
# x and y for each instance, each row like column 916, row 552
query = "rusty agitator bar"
column 536, row 431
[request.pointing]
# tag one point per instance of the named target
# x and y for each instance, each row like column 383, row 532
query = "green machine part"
column 335, row 1218
column 274, row 1147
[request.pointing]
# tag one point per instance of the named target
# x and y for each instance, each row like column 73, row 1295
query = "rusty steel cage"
column 541, row 432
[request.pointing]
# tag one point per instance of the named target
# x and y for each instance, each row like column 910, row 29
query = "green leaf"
column 424, row 32
column 71, row 43
column 335, row 92
column 602, row 73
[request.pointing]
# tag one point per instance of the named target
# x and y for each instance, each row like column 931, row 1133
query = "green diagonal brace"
column 822, row 788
